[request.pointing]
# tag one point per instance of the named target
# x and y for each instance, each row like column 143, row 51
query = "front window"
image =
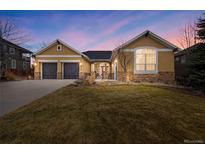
column 146, row 60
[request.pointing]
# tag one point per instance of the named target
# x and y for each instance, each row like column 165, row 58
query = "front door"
column 49, row 70
column 71, row 71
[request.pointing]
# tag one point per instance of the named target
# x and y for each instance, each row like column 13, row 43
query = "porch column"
column 59, row 70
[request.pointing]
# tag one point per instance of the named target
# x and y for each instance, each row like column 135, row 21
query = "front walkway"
column 14, row 94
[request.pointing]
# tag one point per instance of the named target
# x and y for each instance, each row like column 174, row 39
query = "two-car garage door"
column 70, row 71
column 49, row 70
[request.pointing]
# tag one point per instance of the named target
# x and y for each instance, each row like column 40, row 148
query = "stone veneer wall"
column 37, row 75
column 162, row 77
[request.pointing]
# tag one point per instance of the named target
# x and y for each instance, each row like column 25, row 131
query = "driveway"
column 14, row 94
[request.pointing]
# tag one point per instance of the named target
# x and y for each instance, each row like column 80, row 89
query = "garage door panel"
column 71, row 70
column 49, row 70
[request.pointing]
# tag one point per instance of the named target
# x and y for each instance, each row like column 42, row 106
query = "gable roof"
column 63, row 43
column 189, row 49
column 16, row 46
column 98, row 55
column 153, row 36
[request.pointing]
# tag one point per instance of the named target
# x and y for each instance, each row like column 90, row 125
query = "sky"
column 98, row 30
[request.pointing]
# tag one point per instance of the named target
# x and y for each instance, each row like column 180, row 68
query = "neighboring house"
column 14, row 58
column 152, row 61
column 181, row 60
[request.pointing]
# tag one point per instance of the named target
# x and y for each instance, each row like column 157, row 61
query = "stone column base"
column 162, row 77
column 37, row 76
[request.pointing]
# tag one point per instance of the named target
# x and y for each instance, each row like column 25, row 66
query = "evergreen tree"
column 196, row 59
column 201, row 28
column 196, row 67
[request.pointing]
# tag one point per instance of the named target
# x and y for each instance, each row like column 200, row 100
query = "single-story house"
column 152, row 60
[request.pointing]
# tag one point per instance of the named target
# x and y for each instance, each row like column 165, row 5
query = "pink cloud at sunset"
column 102, row 30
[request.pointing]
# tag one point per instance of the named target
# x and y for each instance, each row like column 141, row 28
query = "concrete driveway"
column 14, row 94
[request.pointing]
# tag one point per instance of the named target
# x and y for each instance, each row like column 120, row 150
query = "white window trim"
column 159, row 49
column 47, row 61
column 70, row 61
column 157, row 61
column 59, row 56
column 59, row 45
column 12, row 62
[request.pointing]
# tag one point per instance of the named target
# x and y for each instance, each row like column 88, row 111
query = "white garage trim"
column 48, row 61
column 59, row 56
column 70, row 61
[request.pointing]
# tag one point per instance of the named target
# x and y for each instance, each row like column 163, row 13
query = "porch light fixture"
column 35, row 64
column 81, row 64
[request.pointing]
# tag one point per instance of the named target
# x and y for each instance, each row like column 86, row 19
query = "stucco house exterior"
column 60, row 61
column 152, row 60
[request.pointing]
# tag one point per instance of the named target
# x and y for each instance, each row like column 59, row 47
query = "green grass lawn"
column 107, row 114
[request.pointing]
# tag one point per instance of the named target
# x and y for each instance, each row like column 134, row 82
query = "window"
column 177, row 59
column 146, row 60
column 4, row 47
column 183, row 59
column 13, row 64
column 59, row 47
column 11, row 50
column 26, row 55
column 24, row 65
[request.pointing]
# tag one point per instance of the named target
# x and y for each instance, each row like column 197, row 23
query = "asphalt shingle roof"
column 97, row 55
column 188, row 50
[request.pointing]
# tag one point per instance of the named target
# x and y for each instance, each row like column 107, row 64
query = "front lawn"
column 107, row 114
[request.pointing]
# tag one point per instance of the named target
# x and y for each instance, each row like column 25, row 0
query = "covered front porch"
column 102, row 70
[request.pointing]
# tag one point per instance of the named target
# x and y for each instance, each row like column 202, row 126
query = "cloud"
column 116, row 26
column 105, row 29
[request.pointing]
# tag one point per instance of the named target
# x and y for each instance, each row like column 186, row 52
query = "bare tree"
column 188, row 35
column 124, row 59
column 10, row 31
column 43, row 44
